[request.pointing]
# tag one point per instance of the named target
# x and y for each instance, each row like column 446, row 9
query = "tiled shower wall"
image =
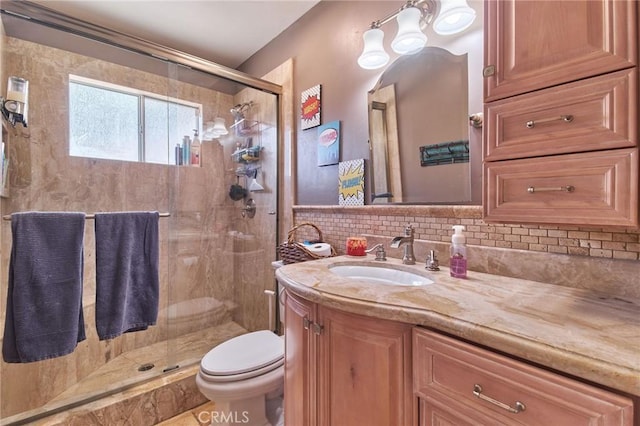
column 208, row 251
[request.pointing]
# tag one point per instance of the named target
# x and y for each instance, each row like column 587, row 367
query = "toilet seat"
column 243, row 357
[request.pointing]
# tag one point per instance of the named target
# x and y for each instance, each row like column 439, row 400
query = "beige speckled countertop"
column 575, row 331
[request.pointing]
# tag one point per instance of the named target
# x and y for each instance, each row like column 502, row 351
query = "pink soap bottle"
column 458, row 259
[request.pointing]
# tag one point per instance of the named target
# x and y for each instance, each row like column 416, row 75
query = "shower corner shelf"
column 247, row 155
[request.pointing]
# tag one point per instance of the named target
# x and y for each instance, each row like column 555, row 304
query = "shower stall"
column 216, row 251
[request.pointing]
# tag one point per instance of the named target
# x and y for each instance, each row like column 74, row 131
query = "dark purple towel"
column 127, row 281
column 44, row 299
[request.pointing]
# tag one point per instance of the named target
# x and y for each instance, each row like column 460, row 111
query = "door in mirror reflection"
column 418, row 125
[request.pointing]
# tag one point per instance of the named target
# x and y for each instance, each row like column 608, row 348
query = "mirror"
column 423, row 149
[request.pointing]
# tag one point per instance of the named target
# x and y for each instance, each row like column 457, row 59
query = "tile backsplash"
column 434, row 224
column 601, row 259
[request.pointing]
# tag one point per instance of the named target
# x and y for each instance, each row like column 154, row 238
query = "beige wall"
column 325, row 44
column 207, row 248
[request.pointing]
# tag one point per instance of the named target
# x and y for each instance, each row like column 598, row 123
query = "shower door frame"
column 41, row 15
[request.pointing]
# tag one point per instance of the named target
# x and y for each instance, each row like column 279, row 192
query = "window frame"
column 141, row 95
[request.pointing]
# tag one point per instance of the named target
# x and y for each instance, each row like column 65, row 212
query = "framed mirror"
column 423, row 149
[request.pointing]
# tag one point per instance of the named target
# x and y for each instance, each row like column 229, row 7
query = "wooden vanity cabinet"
column 561, row 98
column 345, row 369
column 461, row 384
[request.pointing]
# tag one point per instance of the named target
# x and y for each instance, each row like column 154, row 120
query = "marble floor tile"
column 122, row 371
column 193, row 417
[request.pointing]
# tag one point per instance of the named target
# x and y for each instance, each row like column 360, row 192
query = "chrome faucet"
column 407, row 239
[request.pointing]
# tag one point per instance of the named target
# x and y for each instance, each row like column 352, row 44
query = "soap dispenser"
column 458, row 260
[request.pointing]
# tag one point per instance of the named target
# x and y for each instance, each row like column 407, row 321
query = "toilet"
column 244, row 377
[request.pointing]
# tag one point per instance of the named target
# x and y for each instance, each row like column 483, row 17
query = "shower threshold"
column 121, row 373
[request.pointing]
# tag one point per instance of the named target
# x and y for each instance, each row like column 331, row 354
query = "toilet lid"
column 251, row 351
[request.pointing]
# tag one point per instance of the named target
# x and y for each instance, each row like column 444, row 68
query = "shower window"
column 120, row 123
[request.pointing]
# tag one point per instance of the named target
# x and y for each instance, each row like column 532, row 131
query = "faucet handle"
column 409, row 230
column 380, row 253
column 432, row 261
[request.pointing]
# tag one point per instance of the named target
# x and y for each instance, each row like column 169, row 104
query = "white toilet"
column 243, row 376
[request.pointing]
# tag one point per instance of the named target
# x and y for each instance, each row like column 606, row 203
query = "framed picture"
column 310, row 107
column 351, row 183
column 329, row 143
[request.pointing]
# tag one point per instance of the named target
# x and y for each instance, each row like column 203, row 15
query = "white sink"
column 380, row 275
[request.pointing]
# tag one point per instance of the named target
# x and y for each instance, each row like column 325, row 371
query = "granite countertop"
column 579, row 332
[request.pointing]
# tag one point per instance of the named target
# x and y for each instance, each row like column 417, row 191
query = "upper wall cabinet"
column 536, row 44
column 561, row 112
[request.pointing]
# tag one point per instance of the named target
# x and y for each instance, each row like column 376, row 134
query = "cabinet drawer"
column 594, row 114
column 595, row 188
column 449, row 374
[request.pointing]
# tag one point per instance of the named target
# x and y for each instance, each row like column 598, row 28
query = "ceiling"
column 227, row 32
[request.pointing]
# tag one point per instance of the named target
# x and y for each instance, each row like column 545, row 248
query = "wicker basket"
column 293, row 252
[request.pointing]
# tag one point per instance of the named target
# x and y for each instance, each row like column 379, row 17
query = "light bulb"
column 410, row 39
column 455, row 16
column 373, row 55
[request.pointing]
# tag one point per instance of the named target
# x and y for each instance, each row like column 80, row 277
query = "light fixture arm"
column 427, row 8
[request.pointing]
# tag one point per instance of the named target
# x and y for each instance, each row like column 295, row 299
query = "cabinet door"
column 442, row 411
column 537, row 44
column 365, row 371
column 299, row 365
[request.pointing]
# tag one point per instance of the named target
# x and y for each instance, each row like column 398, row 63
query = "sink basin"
column 380, row 275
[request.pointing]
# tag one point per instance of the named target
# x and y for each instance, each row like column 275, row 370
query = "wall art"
column 310, row 107
column 329, row 143
column 351, row 183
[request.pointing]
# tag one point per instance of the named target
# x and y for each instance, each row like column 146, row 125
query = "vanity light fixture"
column 14, row 107
column 453, row 16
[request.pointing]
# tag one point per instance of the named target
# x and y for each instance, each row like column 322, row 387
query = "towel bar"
column 89, row 216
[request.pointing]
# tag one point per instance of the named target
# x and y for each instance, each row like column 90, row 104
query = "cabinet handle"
column 566, row 188
column 477, row 391
column 566, row 118
column 306, row 323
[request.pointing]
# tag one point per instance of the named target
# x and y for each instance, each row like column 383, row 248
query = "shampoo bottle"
column 458, row 260
column 186, row 155
column 195, row 150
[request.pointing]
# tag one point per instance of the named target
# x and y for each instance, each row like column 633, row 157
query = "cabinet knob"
column 489, row 70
